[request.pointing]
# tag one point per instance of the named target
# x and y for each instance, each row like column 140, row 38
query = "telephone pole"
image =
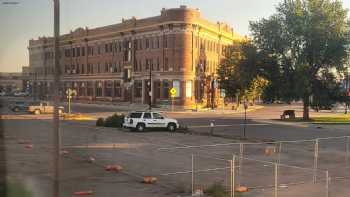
column 56, row 135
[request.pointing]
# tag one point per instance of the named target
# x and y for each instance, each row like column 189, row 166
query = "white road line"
column 229, row 125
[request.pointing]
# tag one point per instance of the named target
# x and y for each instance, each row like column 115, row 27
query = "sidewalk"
column 127, row 106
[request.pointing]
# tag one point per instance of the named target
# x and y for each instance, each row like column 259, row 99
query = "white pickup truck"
column 43, row 107
column 140, row 120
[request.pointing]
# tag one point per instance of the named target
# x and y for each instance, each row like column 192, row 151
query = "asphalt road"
column 136, row 152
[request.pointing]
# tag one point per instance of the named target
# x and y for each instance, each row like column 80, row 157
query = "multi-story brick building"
column 176, row 49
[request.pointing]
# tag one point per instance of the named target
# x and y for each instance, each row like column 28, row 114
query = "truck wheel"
column 37, row 112
column 140, row 127
column 171, row 127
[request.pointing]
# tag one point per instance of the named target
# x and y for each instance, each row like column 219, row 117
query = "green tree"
column 306, row 37
column 256, row 88
column 239, row 69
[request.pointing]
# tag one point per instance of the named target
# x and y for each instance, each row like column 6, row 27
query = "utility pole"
column 150, row 87
column 56, row 136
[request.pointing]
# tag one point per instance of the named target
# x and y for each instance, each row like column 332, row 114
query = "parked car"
column 20, row 94
column 19, row 106
column 140, row 120
column 43, row 107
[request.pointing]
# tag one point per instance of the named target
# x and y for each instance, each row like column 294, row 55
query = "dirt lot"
column 143, row 154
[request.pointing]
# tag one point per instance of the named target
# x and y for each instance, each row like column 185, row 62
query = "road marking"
column 229, row 125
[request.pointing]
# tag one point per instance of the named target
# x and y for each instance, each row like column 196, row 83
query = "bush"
column 116, row 120
column 218, row 190
column 100, row 122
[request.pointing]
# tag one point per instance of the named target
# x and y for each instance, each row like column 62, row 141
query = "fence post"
column 241, row 150
column 327, row 183
column 192, row 174
column 279, row 152
column 347, row 151
column 233, row 175
column 315, row 161
column 276, row 180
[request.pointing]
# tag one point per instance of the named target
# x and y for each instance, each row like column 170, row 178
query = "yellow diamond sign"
column 172, row 92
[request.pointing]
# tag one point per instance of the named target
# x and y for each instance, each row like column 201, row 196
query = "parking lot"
column 172, row 157
column 153, row 154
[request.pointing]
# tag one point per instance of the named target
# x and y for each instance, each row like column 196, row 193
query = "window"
column 140, row 44
column 147, row 116
column 158, row 64
column 98, row 50
column 110, row 47
column 147, row 43
column 117, row 89
column 157, row 43
column 99, row 89
column 135, row 66
column 106, row 67
column 78, row 51
column 166, row 66
column 135, row 115
column 165, row 41
column 176, row 86
column 152, row 43
column 147, row 64
column 82, row 69
column 166, row 89
column 89, row 88
column 157, row 116
column 106, row 48
column 188, row 89
column 138, row 89
column 82, row 51
column 73, row 52
column 108, row 88
column 78, row 70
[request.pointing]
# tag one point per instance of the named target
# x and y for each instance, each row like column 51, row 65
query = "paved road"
column 258, row 125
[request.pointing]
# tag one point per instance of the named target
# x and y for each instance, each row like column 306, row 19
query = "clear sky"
column 32, row 18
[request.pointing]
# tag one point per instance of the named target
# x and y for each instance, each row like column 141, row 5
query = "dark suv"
column 19, row 106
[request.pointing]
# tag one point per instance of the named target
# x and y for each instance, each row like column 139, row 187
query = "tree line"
column 298, row 53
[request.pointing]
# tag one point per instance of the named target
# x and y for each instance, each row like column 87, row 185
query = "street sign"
column 222, row 93
column 172, row 92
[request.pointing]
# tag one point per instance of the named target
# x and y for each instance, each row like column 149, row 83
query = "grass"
column 337, row 119
column 14, row 189
column 77, row 117
column 342, row 119
column 218, row 190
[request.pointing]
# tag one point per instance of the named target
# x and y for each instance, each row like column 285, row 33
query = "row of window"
column 115, row 67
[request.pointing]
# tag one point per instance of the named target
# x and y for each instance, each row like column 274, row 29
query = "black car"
column 19, row 106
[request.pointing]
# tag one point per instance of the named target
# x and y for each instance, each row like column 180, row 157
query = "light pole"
column 150, row 87
column 56, row 136
column 245, row 103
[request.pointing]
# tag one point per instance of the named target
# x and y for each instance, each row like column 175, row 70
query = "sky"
column 29, row 19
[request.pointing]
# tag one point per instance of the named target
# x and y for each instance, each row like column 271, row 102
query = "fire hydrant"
column 212, row 124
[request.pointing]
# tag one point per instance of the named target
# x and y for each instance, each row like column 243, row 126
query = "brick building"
column 176, row 49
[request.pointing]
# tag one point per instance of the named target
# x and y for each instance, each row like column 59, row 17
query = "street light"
column 150, row 87
column 56, row 131
column 245, row 104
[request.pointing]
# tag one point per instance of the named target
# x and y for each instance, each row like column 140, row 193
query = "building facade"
column 137, row 60
column 11, row 82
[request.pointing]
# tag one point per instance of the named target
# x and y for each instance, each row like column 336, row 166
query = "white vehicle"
column 140, row 120
column 20, row 94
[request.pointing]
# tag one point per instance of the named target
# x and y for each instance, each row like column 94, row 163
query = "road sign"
column 172, row 92
column 222, row 93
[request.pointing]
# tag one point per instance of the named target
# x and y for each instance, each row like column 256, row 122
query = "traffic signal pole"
column 56, row 135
